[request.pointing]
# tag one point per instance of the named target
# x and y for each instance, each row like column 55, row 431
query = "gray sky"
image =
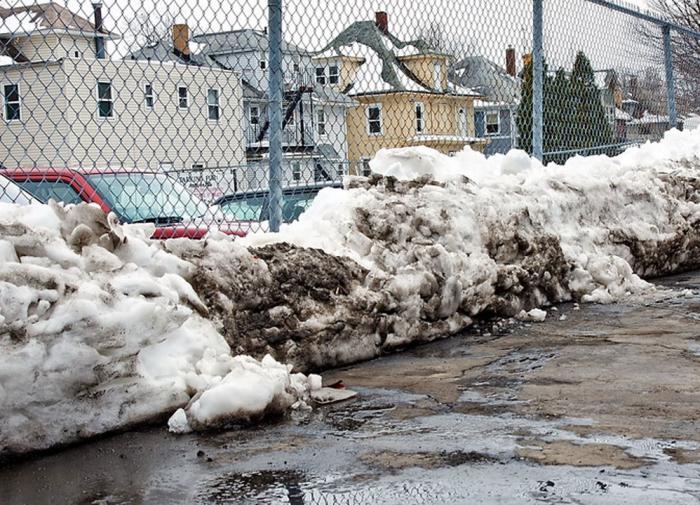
column 485, row 27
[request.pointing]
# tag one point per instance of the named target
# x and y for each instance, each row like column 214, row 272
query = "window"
column 437, row 75
column 366, row 170
column 76, row 54
column 183, row 97
column 254, row 115
column 296, row 171
column 321, row 122
column 263, row 64
column 198, row 166
column 374, row 119
column 295, row 67
column 148, row 95
column 333, row 74
column 60, row 191
column 105, row 103
column 213, row 104
column 321, row 75
column 13, row 105
column 420, row 117
column 493, row 123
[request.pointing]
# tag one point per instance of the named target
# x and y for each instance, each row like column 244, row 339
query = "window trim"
column 110, row 100
column 179, row 98
column 321, row 112
column 296, row 171
column 152, row 96
column 217, row 105
column 364, row 163
column 498, row 123
column 5, row 102
column 332, row 75
column 419, row 120
column 250, row 115
column 381, row 122
column 322, row 74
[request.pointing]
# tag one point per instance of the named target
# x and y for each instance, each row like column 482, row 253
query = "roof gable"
column 24, row 20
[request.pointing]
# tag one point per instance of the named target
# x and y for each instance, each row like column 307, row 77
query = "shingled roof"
column 47, row 17
column 486, row 78
column 382, row 70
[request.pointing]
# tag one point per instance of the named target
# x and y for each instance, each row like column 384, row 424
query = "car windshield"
column 256, row 207
column 139, row 197
column 11, row 193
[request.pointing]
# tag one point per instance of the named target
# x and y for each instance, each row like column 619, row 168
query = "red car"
column 134, row 196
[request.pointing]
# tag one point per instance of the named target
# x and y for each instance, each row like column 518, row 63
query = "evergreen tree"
column 589, row 126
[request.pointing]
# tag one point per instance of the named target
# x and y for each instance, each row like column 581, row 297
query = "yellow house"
column 403, row 92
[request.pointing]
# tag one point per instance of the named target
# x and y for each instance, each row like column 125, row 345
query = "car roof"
column 71, row 172
column 295, row 190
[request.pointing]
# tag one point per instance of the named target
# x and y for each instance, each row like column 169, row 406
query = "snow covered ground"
column 101, row 328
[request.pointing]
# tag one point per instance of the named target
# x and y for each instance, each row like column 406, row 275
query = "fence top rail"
column 646, row 16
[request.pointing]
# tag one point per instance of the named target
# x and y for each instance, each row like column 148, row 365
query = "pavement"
column 598, row 404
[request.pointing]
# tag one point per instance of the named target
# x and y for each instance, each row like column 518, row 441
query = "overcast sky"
column 485, row 27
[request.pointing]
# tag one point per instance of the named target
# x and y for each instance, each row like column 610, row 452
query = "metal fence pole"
column 275, row 92
column 670, row 81
column 537, row 81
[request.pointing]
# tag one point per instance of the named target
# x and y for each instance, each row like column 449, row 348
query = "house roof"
column 487, row 78
column 238, row 41
column 24, row 20
column 163, row 51
column 382, row 70
column 649, row 118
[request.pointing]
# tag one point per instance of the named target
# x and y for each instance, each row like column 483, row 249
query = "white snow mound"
column 99, row 330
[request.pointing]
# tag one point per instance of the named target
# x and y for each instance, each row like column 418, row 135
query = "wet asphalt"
column 470, row 419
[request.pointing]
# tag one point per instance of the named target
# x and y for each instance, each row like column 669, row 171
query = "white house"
column 65, row 104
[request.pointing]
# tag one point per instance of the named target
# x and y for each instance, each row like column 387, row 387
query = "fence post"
column 275, row 93
column 537, row 81
column 670, row 81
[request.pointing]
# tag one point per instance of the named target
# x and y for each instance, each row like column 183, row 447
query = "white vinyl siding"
column 70, row 133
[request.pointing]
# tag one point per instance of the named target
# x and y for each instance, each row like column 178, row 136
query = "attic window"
column 13, row 103
column 333, row 74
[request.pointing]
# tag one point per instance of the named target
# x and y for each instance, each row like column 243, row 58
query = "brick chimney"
column 381, row 19
column 510, row 61
column 181, row 39
column 99, row 41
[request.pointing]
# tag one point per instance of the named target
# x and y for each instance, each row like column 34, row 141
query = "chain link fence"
column 231, row 115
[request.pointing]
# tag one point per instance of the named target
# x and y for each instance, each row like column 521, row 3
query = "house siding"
column 60, row 125
column 399, row 122
column 140, row 137
column 39, row 139
column 505, row 140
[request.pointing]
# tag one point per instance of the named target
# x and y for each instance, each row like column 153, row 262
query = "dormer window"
column 437, row 75
column 333, row 74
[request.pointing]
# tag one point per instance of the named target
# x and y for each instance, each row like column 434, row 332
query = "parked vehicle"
column 254, row 206
column 12, row 193
column 134, row 196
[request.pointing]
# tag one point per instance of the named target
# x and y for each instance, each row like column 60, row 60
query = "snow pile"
column 100, row 330
column 447, row 238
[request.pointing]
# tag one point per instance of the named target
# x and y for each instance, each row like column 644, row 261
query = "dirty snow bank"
column 100, row 330
column 443, row 239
